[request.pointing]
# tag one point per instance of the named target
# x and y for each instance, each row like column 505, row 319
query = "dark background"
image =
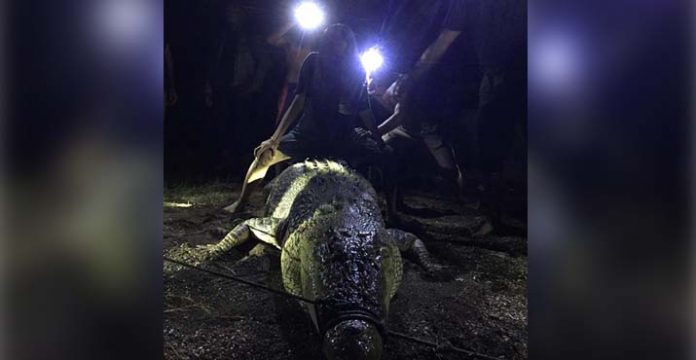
column 609, row 179
column 208, row 143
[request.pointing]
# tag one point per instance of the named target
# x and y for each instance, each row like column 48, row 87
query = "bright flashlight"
column 371, row 60
column 309, row 15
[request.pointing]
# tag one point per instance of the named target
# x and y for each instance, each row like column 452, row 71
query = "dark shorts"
column 439, row 98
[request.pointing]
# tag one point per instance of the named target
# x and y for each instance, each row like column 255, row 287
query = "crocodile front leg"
column 411, row 244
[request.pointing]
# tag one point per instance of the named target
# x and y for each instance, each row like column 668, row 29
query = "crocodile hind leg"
column 263, row 229
column 237, row 236
column 411, row 244
column 202, row 254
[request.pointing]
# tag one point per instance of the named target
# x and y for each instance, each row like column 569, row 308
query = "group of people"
column 326, row 108
column 222, row 85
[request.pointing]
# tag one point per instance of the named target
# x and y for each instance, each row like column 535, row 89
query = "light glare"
column 371, row 60
column 309, row 15
column 176, row 205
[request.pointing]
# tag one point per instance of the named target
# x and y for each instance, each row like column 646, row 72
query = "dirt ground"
column 481, row 306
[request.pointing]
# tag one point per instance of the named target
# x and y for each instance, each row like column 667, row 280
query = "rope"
column 446, row 345
column 441, row 346
column 246, row 282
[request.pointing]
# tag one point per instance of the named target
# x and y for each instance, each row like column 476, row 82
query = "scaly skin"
column 330, row 238
column 326, row 221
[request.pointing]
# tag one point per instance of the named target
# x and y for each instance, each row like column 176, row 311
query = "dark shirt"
column 453, row 83
column 327, row 116
column 416, row 24
column 410, row 29
column 493, row 33
column 496, row 27
column 461, row 15
column 459, row 65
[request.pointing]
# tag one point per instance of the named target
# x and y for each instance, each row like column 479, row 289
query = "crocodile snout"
column 353, row 340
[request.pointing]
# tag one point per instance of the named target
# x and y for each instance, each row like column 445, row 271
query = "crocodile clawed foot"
column 218, row 232
column 438, row 272
column 184, row 253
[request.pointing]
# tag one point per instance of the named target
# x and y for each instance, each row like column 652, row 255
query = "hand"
column 371, row 86
column 265, row 150
column 403, row 85
column 378, row 139
column 397, row 90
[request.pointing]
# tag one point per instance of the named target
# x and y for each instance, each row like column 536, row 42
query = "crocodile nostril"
column 353, row 340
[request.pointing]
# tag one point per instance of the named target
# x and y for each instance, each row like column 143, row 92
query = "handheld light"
column 371, row 60
column 309, row 15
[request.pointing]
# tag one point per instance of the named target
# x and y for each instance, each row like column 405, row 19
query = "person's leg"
column 443, row 154
column 291, row 146
column 398, row 142
column 469, row 150
column 497, row 135
column 284, row 103
column 256, row 171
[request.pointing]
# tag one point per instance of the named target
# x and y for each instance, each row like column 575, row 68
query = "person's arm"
column 430, row 57
column 295, row 109
column 368, row 118
column 391, row 123
column 298, row 102
column 457, row 20
column 365, row 111
column 434, row 53
column 459, row 17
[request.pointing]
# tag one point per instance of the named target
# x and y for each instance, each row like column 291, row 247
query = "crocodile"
column 335, row 250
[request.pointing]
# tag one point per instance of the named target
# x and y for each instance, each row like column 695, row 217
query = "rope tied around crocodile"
column 442, row 345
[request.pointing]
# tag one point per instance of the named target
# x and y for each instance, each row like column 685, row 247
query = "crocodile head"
column 353, row 340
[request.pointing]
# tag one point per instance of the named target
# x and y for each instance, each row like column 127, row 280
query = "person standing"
column 330, row 96
column 497, row 30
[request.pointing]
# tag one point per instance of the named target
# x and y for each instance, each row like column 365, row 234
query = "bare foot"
column 236, row 207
